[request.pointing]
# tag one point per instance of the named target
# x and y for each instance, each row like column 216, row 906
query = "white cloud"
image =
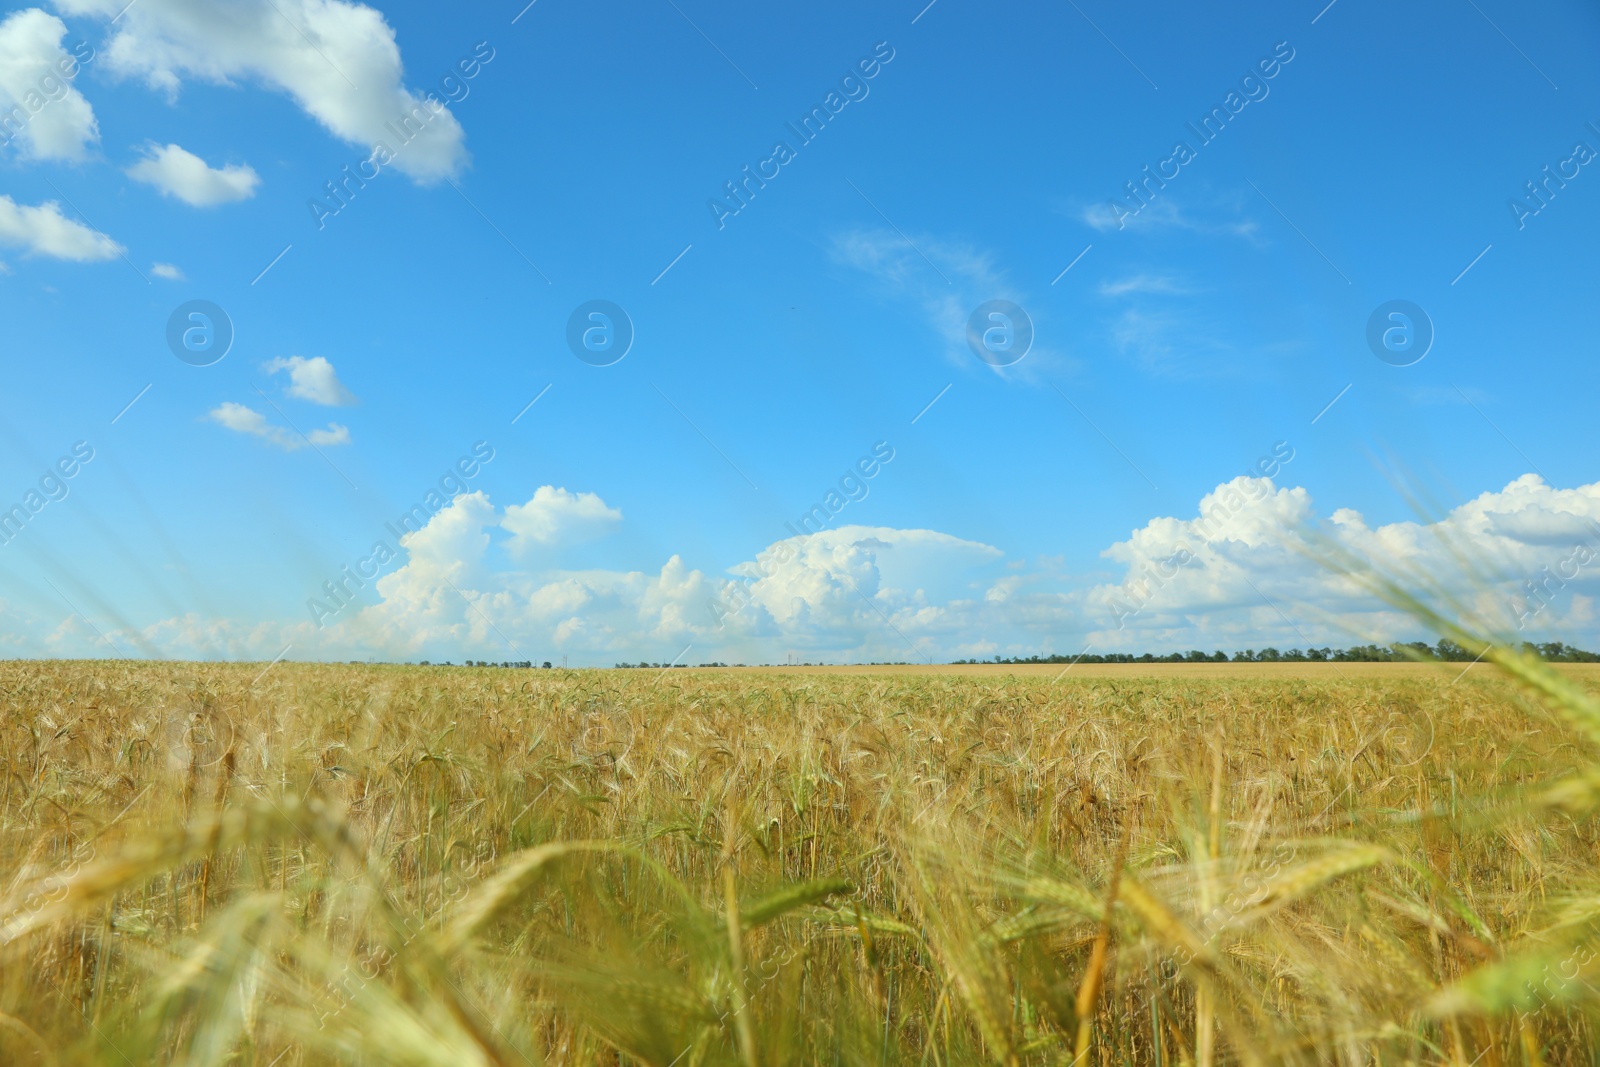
column 179, row 173
column 45, row 231
column 48, row 116
column 449, row 547
column 1243, row 571
column 168, row 271
column 806, row 574
column 555, row 517
column 334, row 434
column 852, row 592
column 1247, row 566
column 338, row 60
column 312, row 379
column 241, row 419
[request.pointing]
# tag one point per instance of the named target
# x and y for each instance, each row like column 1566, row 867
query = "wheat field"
column 208, row 864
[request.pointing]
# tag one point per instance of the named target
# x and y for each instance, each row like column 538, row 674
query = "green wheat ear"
column 483, row 870
column 1554, row 967
column 1417, row 593
column 781, row 902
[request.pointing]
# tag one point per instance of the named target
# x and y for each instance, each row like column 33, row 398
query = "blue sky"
column 651, row 508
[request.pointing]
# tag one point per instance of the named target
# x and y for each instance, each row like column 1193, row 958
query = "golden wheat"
column 348, row 864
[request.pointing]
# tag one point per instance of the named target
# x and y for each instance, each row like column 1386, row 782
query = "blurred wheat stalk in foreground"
column 446, row 866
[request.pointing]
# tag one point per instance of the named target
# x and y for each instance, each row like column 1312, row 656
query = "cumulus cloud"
column 1249, row 535
column 448, row 549
column 339, row 61
column 168, row 271
column 1241, row 571
column 1247, row 566
column 44, row 231
column 245, row 420
column 335, row 434
column 312, row 379
column 241, row 419
column 555, row 517
column 48, row 117
column 181, row 174
column 840, row 574
column 444, row 597
column 856, row 592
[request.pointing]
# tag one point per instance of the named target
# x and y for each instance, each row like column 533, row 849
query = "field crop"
column 205, row 864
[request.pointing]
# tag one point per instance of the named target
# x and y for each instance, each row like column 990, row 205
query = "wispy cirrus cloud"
column 1224, row 219
column 1143, row 283
column 1173, row 343
column 949, row 280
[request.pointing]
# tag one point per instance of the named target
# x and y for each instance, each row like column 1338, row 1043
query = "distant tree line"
column 642, row 664
column 525, row 664
column 1400, row 652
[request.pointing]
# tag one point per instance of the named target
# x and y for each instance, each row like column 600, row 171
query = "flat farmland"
column 1141, row 864
column 1587, row 673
